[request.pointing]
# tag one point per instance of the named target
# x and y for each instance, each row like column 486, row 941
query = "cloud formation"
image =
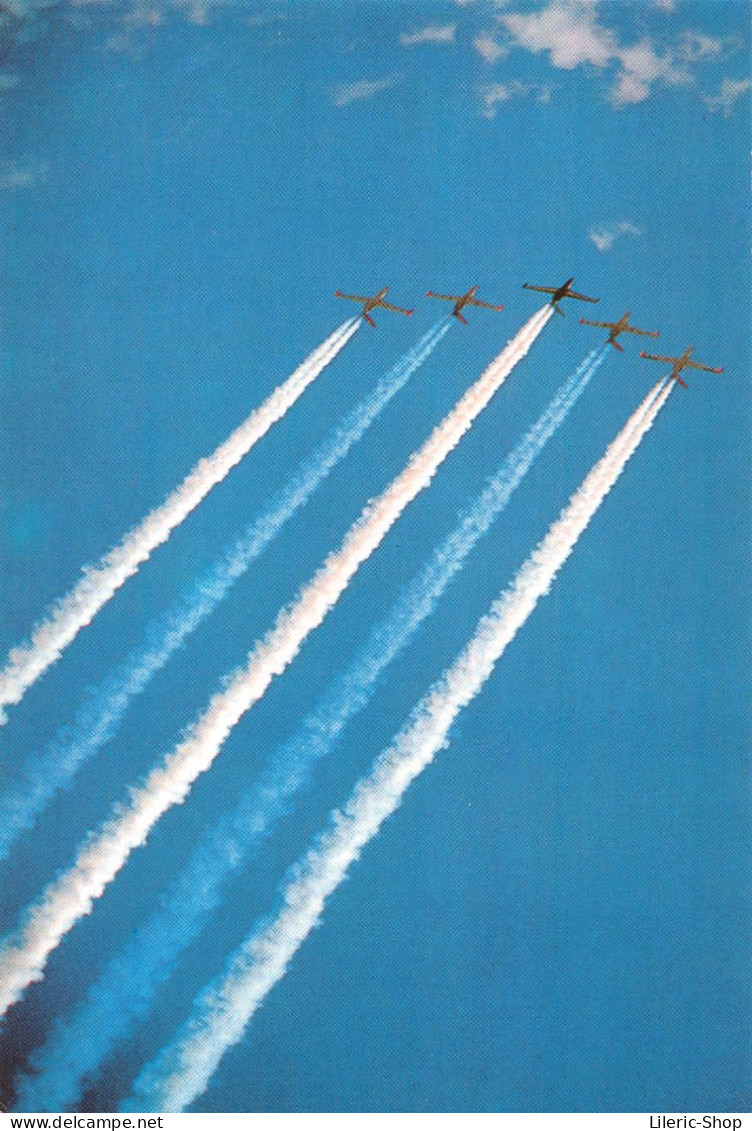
column 640, row 67
column 434, row 33
column 498, row 92
column 695, row 46
column 572, row 35
column 360, row 90
column 729, row 93
column 20, row 16
column 489, row 48
column 567, row 29
column 22, row 173
column 604, row 236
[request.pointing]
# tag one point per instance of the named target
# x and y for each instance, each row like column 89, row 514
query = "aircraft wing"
column 448, row 298
column 644, row 333
column 546, row 290
column 705, row 368
column 657, row 357
column 396, row 309
column 604, row 325
column 485, row 305
column 355, row 298
column 582, row 298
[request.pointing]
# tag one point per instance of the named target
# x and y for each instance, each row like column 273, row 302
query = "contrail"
column 28, row 661
column 23, row 954
column 124, row 991
column 183, row 1069
column 98, row 719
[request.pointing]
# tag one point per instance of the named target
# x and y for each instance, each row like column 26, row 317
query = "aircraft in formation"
column 558, row 293
column 622, row 326
column 372, row 302
column 461, row 301
column 679, row 363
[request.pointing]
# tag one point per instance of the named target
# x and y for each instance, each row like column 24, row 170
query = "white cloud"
column 572, row 35
column 508, row 91
column 264, row 19
column 628, row 89
column 134, row 13
column 24, row 9
column 641, row 66
column 144, row 16
column 123, row 44
column 434, row 33
column 729, row 93
column 489, row 48
column 666, row 5
column 23, row 173
column 695, row 46
column 196, row 11
column 361, row 90
column 567, row 29
column 604, row 236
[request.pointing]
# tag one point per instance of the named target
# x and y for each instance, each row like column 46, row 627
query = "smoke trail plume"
column 98, row 719
column 28, row 661
column 123, row 993
column 23, row 954
column 183, row 1069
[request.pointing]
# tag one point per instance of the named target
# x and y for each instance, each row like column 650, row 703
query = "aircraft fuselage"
column 466, row 298
column 375, row 300
column 562, row 291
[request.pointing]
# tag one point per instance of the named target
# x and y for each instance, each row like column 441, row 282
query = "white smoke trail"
column 98, row 719
column 28, row 661
column 124, row 991
column 183, row 1069
column 23, row 954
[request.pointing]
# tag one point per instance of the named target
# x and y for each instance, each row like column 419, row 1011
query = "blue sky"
column 555, row 919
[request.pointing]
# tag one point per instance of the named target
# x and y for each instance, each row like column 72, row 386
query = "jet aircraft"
column 372, row 302
column 679, row 363
column 620, row 327
column 461, row 301
column 558, row 293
